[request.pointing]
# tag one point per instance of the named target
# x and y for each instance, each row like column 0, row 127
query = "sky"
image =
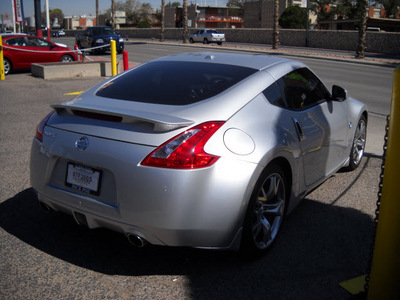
column 88, row 7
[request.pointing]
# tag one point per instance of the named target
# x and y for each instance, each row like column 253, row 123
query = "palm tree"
column 162, row 20
column 275, row 33
column 113, row 14
column 185, row 23
column 362, row 30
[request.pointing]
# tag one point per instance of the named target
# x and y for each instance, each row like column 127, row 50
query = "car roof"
column 8, row 34
column 254, row 61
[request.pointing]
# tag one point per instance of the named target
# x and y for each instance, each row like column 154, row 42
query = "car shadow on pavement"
column 319, row 246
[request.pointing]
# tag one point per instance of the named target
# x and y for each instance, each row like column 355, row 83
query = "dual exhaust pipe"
column 134, row 239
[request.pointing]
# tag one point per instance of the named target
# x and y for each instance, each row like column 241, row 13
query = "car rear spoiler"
column 161, row 123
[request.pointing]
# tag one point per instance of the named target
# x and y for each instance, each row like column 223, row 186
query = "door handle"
column 299, row 130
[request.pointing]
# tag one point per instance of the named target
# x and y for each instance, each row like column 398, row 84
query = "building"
column 260, row 14
column 204, row 17
column 79, row 22
column 377, row 21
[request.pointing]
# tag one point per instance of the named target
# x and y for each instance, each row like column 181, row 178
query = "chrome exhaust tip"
column 136, row 240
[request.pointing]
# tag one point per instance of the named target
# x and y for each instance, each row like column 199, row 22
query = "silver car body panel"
column 202, row 208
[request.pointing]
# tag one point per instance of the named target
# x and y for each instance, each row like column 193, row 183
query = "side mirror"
column 338, row 93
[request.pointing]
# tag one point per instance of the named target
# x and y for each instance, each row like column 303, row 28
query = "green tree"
column 146, row 11
column 293, row 17
column 144, row 24
column 323, row 9
column 349, row 9
column 173, row 4
column 238, row 5
column 53, row 14
column 392, row 7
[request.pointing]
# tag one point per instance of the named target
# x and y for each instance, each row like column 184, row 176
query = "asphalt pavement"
column 325, row 241
column 331, row 54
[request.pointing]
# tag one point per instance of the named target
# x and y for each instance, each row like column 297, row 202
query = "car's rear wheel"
column 265, row 211
column 219, row 43
column 7, row 66
column 205, row 41
column 66, row 58
column 358, row 147
column 191, row 41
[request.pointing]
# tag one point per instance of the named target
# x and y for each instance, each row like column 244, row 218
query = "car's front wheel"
column 191, row 41
column 265, row 211
column 7, row 66
column 358, row 147
column 66, row 58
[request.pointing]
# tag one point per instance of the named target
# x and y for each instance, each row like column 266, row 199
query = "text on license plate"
column 82, row 178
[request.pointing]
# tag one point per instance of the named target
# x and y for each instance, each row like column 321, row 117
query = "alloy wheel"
column 268, row 211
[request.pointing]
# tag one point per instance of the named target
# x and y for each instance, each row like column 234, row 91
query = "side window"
column 274, row 96
column 35, row 42
column 18, row 41
column 302, row 89
column 11, row 42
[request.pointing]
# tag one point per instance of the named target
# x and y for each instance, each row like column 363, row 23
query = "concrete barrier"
column 71, row 70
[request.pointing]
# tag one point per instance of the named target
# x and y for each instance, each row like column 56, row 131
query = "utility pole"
column 97, row 12
column 38, row 19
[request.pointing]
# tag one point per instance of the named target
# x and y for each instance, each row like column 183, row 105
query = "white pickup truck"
column 207, row 36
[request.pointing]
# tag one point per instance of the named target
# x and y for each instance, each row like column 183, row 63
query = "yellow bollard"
column 385, row 270
column 2, row 75
column 113, row 58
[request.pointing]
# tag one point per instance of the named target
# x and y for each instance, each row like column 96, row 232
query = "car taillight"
column 40, row 126
column 186, row 150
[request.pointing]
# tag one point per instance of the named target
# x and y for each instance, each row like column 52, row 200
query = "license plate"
column 83, row 178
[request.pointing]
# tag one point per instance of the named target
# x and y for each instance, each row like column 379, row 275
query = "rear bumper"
column 197, row 208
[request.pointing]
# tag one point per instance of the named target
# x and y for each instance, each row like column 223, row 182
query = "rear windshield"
column 174, row 83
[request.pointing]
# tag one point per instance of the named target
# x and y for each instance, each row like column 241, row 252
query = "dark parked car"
column 99, row 38
column 21, row 50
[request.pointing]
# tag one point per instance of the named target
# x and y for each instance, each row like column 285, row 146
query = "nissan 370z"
column 204, row 150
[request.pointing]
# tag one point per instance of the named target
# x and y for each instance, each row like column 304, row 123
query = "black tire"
column 67, row 58
column 205, row 41
column 265, row 212
column 191, row 41
column 219, row 43
column 358, row 147
column 7, row 66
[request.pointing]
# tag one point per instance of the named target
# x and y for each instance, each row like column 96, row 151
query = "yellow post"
column 2, row 75
column 385, row 270
column 113, row 58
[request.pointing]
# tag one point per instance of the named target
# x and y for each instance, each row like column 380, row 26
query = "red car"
column 20, row 51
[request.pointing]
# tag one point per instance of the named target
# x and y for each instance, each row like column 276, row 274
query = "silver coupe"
column 204, row 150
